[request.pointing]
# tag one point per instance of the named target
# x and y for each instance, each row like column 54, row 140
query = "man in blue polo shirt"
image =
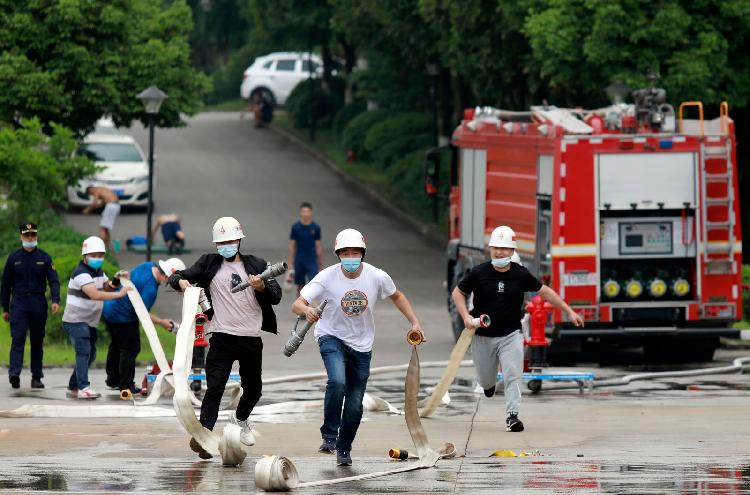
column 305, row 255
column 122, row 322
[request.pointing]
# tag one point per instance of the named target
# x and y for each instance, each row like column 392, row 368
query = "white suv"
column 124, row 169
column 275, row 75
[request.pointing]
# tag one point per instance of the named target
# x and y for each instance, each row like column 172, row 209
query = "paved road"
column 673, row 436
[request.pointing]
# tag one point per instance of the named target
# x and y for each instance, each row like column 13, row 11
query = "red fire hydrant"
column 539, row 310
column 199, row 349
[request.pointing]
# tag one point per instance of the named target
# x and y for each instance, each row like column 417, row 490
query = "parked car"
column 275, row 75
column 124, row 169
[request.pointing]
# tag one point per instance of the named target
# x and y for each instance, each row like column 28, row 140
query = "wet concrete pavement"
column 673, row 436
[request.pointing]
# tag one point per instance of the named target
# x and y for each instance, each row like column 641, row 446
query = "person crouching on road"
column 88, row 288
column 25, row 277
column 236, row 322
column 499, row 286
column 123, row 325
column 345, row 335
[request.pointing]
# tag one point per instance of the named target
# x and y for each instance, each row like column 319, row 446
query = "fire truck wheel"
column 535, row 386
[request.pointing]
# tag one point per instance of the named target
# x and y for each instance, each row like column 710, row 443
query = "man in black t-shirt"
column 499, row 287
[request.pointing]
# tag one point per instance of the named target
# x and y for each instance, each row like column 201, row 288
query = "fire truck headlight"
column 680, row 287
column 633, row 288
column 611, row 288
column 657, row 287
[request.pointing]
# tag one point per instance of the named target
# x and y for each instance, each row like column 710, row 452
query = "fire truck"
column 630, row 212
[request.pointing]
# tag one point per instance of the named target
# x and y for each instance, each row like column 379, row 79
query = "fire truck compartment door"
column 648, row 180
column 473, row 196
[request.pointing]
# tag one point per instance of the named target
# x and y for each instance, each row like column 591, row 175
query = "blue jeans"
column 348, row 371
column 83, row 338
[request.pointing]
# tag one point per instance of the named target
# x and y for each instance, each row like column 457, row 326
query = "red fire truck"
column 630, row 212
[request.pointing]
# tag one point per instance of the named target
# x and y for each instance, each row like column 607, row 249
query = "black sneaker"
column 15, row 381
column 37, row 383
column 512, row 423
column 196, row 447
column 328, row 446
column 489, row 392
column 343, row 458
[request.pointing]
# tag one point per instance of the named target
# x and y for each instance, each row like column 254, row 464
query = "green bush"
column 346, row 114
column 386, row 155
column 322, row 103
column 394, row 127
column 353, row 137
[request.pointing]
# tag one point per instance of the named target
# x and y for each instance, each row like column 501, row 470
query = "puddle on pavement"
column 478, row 475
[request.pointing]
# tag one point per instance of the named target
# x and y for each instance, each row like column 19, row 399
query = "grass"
column 63, row 354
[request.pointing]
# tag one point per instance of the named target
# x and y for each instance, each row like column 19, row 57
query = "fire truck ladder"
column 717, row 207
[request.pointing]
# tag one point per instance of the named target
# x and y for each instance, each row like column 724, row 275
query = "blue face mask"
column 501, row 262
column 28, row 244
column 95, row 263
column 227, row 250
column 351, row 265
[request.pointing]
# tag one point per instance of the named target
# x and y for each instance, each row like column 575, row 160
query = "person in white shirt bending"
column 345, row 334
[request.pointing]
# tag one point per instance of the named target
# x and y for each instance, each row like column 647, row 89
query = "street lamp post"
column 152, row 98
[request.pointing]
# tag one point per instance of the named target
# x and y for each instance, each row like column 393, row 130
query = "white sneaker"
column 246, row 437
column 88, row 393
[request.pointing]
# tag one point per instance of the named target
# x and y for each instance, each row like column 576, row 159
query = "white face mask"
column 501, row 262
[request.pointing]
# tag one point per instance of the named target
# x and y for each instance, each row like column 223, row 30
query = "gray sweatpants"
column 508, row 350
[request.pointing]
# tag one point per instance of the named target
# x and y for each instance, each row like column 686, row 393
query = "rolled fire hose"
column 431, row 403
column 228, row 445
column 276, row 473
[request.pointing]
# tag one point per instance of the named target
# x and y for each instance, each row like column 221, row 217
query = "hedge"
column 394, row 127
column 326, row 102
column 353, row 137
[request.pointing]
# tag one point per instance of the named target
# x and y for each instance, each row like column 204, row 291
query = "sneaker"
column 343, row 458
column 196, row 447
column 71, row 393
column 513, row 423
column 15, row 381
column 88, row 393
column 37, row 383
column 328, row 446
column 246, row 437
column 489, row 392
column 111, row 384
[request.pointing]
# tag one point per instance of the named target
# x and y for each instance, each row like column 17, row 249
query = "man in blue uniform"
column 305, row 254
column 122, row 322
column 25, row 277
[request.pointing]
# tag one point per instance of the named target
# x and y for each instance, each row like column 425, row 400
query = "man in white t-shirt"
column 345, row 334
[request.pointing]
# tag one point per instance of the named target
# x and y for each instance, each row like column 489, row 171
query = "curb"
column 428, row 233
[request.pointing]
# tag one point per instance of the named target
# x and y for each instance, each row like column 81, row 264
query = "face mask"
column 227, row 250
column 29, row 244
column 351, row 265
column 501, row 262
column 95, row 263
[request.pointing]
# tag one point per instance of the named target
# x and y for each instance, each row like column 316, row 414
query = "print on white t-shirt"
column 349, row 315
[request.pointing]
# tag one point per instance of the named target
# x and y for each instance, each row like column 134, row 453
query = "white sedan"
column 124, row 169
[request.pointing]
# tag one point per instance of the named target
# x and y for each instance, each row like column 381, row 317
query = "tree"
column 35, row 168
column 71, row 62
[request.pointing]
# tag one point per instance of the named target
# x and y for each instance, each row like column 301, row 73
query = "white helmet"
column 171, row 265
column 227, row 229
column 503, row 236
column 349, row 238
column 93, row 245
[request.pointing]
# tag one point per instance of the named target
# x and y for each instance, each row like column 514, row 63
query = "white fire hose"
column 228, row 445
column 276, row 473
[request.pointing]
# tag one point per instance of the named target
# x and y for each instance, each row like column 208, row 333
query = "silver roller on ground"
column 271, row 271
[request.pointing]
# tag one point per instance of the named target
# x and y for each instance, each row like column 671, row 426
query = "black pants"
column 223, row 350
column 124, row 346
